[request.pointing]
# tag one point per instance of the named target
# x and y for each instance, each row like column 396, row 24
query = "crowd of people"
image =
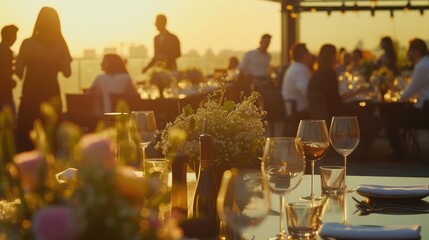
column 306, row 81
column 45, row 54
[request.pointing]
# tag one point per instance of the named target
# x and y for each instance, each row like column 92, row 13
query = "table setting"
column 102, row 187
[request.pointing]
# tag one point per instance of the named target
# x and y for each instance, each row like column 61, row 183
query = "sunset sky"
column 204, row 24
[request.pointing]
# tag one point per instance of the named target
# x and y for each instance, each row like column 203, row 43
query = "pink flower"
column 29, row 166
column 53, row 223
column 97, row 150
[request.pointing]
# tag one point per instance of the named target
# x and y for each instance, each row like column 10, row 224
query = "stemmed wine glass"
column 142, row 129
column 283, row 166
column 315, row 142
column 243, row 200
column 344, row 135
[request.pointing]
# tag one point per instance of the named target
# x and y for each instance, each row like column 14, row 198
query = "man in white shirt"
column 256, row 63
column 418, row 87
column 296, row 78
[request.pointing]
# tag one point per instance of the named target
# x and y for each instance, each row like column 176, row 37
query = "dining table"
column 342, row 209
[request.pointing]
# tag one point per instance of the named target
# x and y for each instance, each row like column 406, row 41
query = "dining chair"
column 193, row 100
column 279, row 111
column 84, row 110
column 125, row 102
column 318, row 107
column 165, row 109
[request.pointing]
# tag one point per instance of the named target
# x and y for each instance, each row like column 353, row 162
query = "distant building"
column 89, row 53
column 138, row 51
column 110, row 50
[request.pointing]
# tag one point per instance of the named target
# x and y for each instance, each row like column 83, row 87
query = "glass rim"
column 156, row 159
column 343, row 117
column 331, row 167
column 305, row 204
column 283, row 138
column 312, row 120
column 142, row 111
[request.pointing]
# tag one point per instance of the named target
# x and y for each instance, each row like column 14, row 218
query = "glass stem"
column 143, row 155
column 345, row 172
column 312, row 179
column 282, row 216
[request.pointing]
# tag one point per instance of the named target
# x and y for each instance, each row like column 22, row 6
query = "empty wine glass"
column 315, row 142
column 243, row 200
column 142, row 128
column 344, row 135
column 283, row 166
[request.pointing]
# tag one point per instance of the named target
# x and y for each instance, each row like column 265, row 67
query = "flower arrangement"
column 96, row 197
column 237, row 129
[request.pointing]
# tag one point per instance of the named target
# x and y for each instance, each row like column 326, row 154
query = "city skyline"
column 201, row 25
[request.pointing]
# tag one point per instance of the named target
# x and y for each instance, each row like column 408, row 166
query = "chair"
column 83, row 110
column 318, row 107
column 165, row 109
column 125, row 102
column 278, row 110
column 193, row 100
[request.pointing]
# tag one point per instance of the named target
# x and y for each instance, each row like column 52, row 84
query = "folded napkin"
column 341, row 231
column 405, row 191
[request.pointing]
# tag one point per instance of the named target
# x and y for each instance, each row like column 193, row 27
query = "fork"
column 369, row 208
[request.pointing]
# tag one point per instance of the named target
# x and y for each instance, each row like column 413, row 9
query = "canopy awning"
column 290, row 10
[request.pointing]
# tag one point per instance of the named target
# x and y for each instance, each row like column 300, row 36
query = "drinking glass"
column 283, row 166
column 344, row 135
column 142, row 128
column 243, row 201
column 315, row 142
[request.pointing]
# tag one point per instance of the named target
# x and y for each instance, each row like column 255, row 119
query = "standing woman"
column 324, row 81
column 42, row 56
column 388, row 58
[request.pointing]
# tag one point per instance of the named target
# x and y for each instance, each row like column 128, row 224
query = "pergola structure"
column 290, row 10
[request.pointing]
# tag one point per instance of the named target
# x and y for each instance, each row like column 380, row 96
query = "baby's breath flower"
column 237, row 129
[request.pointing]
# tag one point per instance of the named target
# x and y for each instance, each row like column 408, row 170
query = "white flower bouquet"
column 237, row 130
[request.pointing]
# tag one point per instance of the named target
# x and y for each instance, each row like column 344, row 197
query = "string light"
column 372, row 12
column 391, row 13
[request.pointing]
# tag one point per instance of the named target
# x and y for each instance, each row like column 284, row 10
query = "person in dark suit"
column 167, row 46
column 8, row 35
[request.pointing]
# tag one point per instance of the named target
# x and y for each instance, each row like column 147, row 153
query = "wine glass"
column 243, row 201
column 344, row 135
column 283, row 166
column 315, row 142
column 142, row 128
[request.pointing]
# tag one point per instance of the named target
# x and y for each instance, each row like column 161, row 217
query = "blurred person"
column 115, row 79
column 359, row 65
column 41, row 56
column 345, row 59
column 166, row 46
column 8, row 38
column 297, row 77
column 255, row 64
column 418, row 87
column 324, row 81
column 232, row 68
column 388, row 58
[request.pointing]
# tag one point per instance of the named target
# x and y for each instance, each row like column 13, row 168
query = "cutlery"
column 366, row 208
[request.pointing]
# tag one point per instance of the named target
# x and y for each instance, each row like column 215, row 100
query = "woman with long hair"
column 114, row 80
column 324, row 81
column 388, row 58
column 41, row 56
